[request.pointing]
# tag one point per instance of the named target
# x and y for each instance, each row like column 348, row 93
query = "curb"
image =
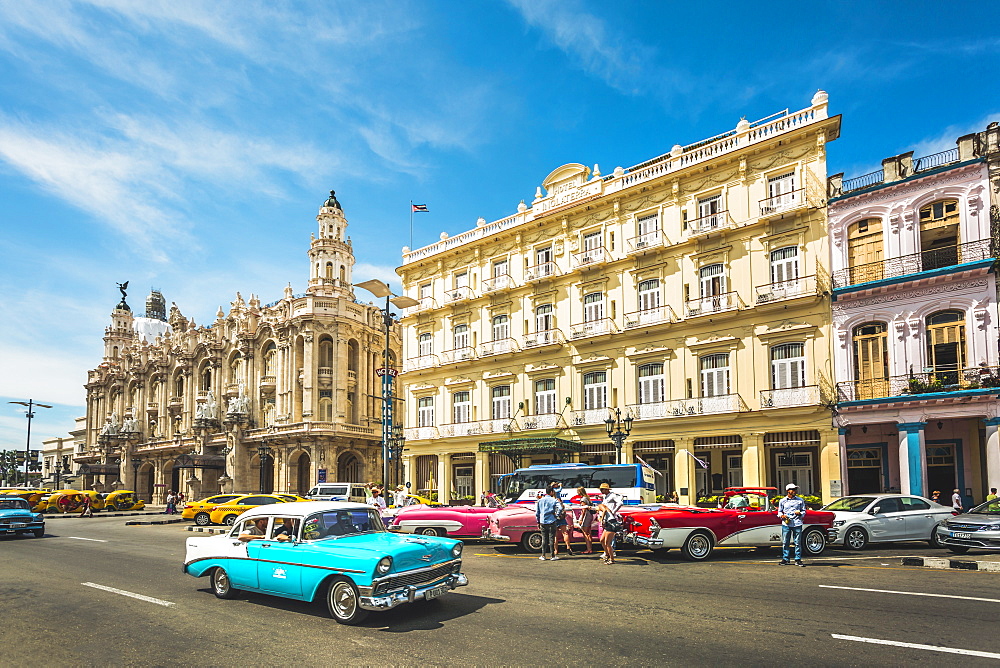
column 957, row 564
column 136, row 522
column 210, row 529
column 66, row 516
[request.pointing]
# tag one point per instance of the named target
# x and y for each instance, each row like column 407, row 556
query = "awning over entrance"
column 539, row 445
column 200, row 462
column 98, row 469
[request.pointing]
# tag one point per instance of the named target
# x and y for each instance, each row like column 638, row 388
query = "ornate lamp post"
column 396, row 452
column 381, row 289
column 618, row 429
column 27, row 446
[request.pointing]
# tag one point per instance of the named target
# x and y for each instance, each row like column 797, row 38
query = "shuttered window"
column 946, row 341
column 714, row 375
column 545, row 396
column 425, row 412
column 595, row 390
column 788, row 366
column 651, row 384
column 501, row 402
column 649, row 295
column 461, row 336
column 713, row 280
column 501, row 328
column 425, row 344
column 785, row 264
column 871, row 360
column 461, row 406
column 864, row 250
column 593, row 307
column 544, row 319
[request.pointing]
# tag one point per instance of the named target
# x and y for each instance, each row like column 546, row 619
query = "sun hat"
column 791, row 485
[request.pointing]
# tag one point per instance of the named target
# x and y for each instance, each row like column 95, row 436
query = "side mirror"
column 874, row 511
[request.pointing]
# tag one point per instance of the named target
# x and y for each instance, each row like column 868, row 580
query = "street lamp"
column 27, row 446
column 396, row 452
column 264, row 453
column 618, row 429
column 381, row 289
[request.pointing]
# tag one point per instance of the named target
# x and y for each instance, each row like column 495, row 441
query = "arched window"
column 864, row 251
column 501, row 402
column 353, row 355
column 545, row 396
column 460, row 337
column 939, row 234
column 236, row 369
column 343, row 274
column 326, row 410
column 715, row 375
column 544, row 318
column 270, row 359
column 788, row 366
column 593, row 307
column 651, row 383
column 946, row 345
column 179, row 386
column 206, row 379
column 501, row 328
column 425, row 344
column 326, row 351
column 871, row 360
column 595, row 390
column 329, row 270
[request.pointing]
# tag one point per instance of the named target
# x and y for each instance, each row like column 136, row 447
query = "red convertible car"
column 748, row 519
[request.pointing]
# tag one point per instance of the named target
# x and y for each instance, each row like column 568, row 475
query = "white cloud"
column 946, row 138
column 364, row 271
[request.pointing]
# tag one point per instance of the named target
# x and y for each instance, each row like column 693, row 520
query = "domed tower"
column 331, row 259
column 119, row 334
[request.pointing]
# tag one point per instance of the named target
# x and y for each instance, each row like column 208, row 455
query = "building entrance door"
column 795, row 469
column 941, row 472
column 864, row 470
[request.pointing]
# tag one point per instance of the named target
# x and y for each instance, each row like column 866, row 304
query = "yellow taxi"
column 198, row 510
column 71, row 501
column 227, row 513
column 292, row 498
column 123, row 499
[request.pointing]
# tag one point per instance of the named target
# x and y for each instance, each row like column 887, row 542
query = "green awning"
column 539, row 445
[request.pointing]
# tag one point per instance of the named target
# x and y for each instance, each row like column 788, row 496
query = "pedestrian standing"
column 545, row 516
column 179, row 501
column 88, row 507
column 563, row 528
column 171, row 503
column 611, row 522
column 936, row 496
column 673, row 498
column 585, row 522
column 792, row 512
column 992, row 495
column 956, row 501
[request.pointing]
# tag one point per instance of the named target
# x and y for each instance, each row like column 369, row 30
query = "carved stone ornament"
column 842, row 337
column 899, row 326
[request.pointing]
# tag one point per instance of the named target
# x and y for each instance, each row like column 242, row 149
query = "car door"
column 889, row 522
column 919, row 518
column 240, row 564
column 758, row 527
column 278, row 569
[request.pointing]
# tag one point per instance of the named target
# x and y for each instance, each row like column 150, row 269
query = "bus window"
column 616, row 477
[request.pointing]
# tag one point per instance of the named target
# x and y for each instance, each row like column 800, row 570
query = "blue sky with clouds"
column 188, row 145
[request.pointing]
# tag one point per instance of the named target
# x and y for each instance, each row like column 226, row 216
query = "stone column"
column 444, row 478
column 992, row 452
column 310, row 402
column 409, row 475
column 830, row 454
column 754, row 459
column 684, row 477
column 842, row 440
column 911, row 458
column 482, row 474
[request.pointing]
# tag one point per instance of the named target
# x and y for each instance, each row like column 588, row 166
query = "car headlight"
column 457, row 550
column 384, row 564
column 839, row 523
column 654, row 526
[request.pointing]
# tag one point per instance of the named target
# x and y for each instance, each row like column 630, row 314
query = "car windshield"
column 988, row 508
column 337, row 523
column 850, row 504
column 13, row 504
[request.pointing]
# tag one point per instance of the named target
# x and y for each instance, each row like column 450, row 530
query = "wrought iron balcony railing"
column 593, row 328
column 421, row 362
column 420, row 433
column 864, row 181
column 458, row 294
column 539, row 271
column 783, row 203
column 795, row 287
column 807, row 395
column 655, row 316
column 591, row 257
column 935, row 160
column 727, row 301
column 710, row 223
column 546, row 337
column 498, row 347
column 478, row 427
column 647, row 241
column 723, row 403
column 915, row 384
column 502, row 282
column 463, row 354
column 546, row 421
column 936, row 258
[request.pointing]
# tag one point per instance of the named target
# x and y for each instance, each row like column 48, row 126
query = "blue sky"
column 188, row 145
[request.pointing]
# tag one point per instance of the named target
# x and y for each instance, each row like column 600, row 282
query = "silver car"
column 885, row 518
column 978, row 529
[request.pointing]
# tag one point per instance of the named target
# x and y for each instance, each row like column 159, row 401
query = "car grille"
column 418, row 578
column 15, row 520
column 967, row 527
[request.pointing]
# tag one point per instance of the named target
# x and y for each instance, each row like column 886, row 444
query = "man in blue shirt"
column 545, row 515
column 791, row 511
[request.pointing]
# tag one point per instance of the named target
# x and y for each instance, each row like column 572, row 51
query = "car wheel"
column 38, row 533
column 934, row 542
column 344, row 603
column 532, row 542
column 430, row 531
column 958, row 549
column 855, row 539
column 697, row 547
column 221, row 586
column 813, row 542
column 230, row 520
column 202, row 519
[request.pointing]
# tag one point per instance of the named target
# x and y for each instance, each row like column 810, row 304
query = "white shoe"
column 542, row 558
column 553, row 558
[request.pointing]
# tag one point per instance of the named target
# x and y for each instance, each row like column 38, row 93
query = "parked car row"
column 72, row 501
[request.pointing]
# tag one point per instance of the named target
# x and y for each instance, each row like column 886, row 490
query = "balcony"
column 783, row 203
column 421, row 362
column 589, row 416
column 477, row 428
column 591, row 257
column 502, row 282
column 727, row 301
column 546, row 337
column 937, row 258
column 546, row 421
column 267, row 383
column 352, row 376
column 723, row 403
column 915, row 384
column 420, row 433
column 498, row 347
column 541, row 271
column 647, row 241
column 461, row 293
column 808, row 395
column 175, row 402
column 458, row 355
column 936, row 160
column 713, row 222
column 597, row 327
column 664, row 315
column 804, row 286
column 424, row 304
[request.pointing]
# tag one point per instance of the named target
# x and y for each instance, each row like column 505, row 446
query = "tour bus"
column 634, row 482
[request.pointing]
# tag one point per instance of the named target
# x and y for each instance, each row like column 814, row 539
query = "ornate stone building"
column 292, row 384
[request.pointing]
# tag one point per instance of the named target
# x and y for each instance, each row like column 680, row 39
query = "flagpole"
column 411, row 224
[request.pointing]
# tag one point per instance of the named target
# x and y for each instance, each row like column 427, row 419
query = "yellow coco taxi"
column 71, row 501
column 124, row 499
column 227, row 513
column 199, row 510
column 34, row 497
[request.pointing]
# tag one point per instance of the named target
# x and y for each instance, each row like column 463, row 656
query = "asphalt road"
column 741, row 608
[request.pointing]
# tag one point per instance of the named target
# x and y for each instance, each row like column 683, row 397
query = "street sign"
column 381, row 371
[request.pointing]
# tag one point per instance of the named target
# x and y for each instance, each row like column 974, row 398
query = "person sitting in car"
column 344, row 525
column 286, row 530
column 737, row 501
column 254, row 530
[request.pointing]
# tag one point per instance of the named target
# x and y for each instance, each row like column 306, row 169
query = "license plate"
column 18, row 526
column 431, row 594
column 961, row 535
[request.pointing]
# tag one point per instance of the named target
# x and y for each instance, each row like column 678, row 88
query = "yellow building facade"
column 689, row 292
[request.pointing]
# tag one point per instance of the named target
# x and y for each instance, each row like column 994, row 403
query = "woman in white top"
column 608, row 509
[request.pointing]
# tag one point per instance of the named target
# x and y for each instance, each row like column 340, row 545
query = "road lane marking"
column 148, row 599
column 96, row 540
column 912, row 645
column 914, row 593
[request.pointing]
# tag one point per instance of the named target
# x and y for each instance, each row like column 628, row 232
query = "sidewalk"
column 983, row 561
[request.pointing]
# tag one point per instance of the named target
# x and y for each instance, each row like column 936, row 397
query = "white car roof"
column 302, row 508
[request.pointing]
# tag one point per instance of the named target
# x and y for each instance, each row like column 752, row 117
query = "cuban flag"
column 419, row 208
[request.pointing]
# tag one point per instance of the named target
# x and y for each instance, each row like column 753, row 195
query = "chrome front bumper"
column 640, row 541
column 410, row 594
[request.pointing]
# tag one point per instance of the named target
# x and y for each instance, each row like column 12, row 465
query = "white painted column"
column 911, row 457
column 993, row 452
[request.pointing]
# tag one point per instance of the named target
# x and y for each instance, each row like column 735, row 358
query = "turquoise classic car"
column 332, row 550
column 16, row 517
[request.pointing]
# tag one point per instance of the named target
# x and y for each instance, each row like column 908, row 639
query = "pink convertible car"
column 516, row 524
column 453, row 521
